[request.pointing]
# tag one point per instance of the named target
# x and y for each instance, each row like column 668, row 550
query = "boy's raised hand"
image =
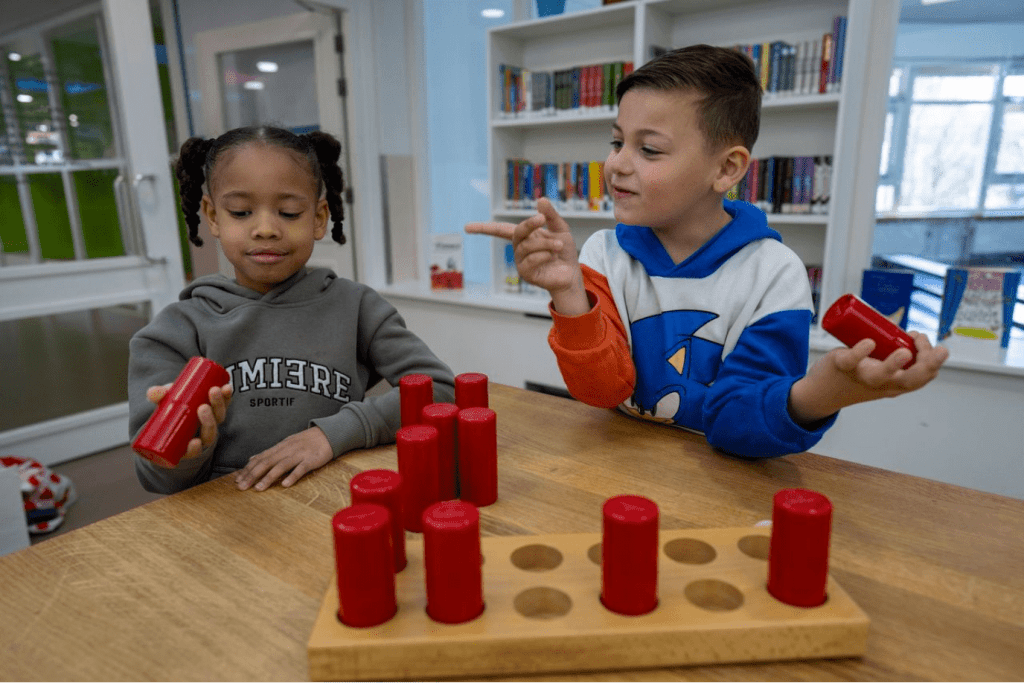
column 210, row 415
column 845, row 376
column 545, row 251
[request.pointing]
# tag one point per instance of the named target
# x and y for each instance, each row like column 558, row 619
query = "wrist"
column 571, row 301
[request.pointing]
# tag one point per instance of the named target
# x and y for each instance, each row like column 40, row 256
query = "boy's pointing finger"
column 555, row 222
column 502, row 230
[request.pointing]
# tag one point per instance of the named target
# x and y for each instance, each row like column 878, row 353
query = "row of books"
column 789, row 185
column 581, row 89
column 810, row 66
column 571, row 186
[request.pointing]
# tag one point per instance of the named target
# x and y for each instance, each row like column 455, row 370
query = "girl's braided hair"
column 198, row 157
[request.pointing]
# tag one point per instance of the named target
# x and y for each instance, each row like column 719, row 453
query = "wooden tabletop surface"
column 219, row 584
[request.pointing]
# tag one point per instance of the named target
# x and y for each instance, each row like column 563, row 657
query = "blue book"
column 889, row 291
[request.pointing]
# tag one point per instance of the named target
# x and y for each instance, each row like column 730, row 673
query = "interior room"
column 905, row 116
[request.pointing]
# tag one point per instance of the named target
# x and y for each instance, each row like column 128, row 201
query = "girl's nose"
column 266, row 227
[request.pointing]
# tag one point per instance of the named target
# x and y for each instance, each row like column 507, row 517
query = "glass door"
column 284, row 72
column 89, row 244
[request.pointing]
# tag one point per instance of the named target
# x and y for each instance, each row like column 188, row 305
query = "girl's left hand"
column 294, row 456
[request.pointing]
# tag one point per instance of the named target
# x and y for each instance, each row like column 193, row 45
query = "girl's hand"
column 294, row 456
column 210, row 415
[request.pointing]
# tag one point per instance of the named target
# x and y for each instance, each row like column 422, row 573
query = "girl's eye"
column 239, row 214
column 290, row 215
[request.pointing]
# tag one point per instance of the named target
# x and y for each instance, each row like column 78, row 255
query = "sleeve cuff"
column 576, row 333
column 344, row 430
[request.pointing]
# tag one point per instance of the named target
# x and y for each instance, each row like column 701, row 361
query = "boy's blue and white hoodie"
column 717, row 340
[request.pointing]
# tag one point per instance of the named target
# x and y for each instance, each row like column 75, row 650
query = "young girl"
column 302, row 346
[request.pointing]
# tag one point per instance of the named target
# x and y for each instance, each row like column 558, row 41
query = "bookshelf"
column 791, row 124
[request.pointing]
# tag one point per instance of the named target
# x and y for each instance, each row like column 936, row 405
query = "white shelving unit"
column 797, row 125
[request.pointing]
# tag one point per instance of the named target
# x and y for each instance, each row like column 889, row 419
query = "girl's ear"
column 732, row 166
column 323, row 213
column 209, row 211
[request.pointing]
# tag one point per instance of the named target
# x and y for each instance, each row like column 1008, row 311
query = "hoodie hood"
column 748, row 224
column 223, row 295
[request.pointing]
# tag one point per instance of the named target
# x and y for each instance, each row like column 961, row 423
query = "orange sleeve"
column 592, row 351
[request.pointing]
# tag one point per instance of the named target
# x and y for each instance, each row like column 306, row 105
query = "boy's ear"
column 323, row 213
column 209, row 212
column 732, row 166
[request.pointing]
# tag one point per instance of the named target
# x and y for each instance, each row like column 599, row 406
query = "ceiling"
column 962, row 12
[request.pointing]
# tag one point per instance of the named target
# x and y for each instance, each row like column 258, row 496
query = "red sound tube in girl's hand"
column 165, row 436
column 851, row 319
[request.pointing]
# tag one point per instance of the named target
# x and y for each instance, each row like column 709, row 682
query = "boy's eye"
column 616, row 144
column 649, row 152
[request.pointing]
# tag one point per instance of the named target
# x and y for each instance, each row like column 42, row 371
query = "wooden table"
column 219, row 584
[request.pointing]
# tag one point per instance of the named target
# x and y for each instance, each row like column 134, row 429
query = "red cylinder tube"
column 365, row 561
column 471, row 390
column 415, row 391
column 165, row 436
column 478, row 456
column 417, row 463
column 384, row 487
column 851, row 319
column 798, row 550
column 629, row 555
column 451, row 558
column 444, row 418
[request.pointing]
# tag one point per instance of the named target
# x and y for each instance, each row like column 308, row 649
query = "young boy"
column 692, row 312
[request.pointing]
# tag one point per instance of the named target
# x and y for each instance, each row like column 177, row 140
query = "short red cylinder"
column 417, row 463
column 384, row 487
column 444, row 418
column 471, row 390
column 451, row 558
column 478, row 456
column 798, row 550
column 365, row 561
column 165, row 436
column 415, row 391
column 851, row 319
column 629, row 555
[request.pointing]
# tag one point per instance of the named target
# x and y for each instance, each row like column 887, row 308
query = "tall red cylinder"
column 365, row 562
column 417, row 463
column 798, row 549
column 471, row 390
column 444, row 418
column 384, row 487
column 165, row 436
column 415, row 391
column 478, row 456
column 629, row 555
column 851, row 319
column 451, row 558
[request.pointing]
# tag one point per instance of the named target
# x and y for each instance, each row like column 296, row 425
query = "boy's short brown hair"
column 730, row 110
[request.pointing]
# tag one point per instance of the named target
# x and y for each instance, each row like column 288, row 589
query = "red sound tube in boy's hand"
column 851, row 319
column 165, row 436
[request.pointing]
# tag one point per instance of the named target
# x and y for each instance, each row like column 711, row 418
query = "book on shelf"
column 814, row 279
column 571, row 186
column 446, row 261
column 800, row 68
column 976, row 317
column 889, row 292
column 526, row 93
column 786, row 185
column 512, row 281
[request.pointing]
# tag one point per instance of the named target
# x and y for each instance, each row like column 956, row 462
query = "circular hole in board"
column 714, row 595
column 594, row 553
column 542, row 602
column 536, row 557
column 690, row 551
column 755, row 546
